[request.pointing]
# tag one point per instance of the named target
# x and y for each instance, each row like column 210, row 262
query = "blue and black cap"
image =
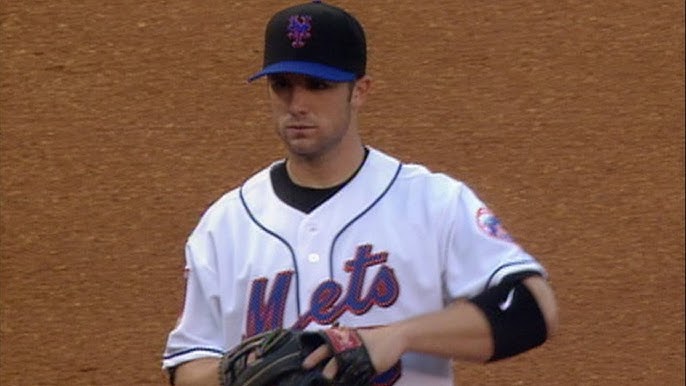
column 314, row 39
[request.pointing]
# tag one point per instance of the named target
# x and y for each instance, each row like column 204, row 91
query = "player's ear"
column 360, row 91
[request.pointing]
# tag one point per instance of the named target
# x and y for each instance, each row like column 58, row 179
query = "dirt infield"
column 121, row 121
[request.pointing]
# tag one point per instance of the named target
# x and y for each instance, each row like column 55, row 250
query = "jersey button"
column 313, row 257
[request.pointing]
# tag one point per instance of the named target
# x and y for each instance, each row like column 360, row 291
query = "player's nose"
column 299, row 100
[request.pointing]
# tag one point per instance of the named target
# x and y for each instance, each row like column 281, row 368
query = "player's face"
column 313, row 116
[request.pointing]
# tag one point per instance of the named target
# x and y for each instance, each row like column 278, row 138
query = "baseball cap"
column 315, row 39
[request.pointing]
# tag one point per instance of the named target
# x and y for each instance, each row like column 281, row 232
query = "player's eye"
column 278, row 83
column 318, row 84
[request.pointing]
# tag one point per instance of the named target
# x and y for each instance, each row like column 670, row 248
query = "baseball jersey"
column 396, row 241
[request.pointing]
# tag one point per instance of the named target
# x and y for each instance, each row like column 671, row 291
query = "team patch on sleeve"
column 490, row 224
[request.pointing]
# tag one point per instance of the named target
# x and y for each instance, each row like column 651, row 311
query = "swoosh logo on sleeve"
column 508, row 301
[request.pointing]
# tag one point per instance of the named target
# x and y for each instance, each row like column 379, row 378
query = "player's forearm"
column 462, row 330
column 200, row 372
column 459, row 331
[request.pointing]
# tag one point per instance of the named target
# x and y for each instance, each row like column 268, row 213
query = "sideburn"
column 351, row 87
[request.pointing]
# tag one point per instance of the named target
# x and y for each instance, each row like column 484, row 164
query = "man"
column 340, row 232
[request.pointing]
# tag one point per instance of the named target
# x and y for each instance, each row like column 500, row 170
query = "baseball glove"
column 275, row 358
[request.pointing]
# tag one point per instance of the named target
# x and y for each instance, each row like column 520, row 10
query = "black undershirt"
column 303, row 198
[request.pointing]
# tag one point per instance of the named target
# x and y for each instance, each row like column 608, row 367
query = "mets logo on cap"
column 299, row 27
column 490, row 224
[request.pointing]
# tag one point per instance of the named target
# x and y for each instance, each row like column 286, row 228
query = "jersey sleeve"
column 480, row 250
column 198, row 333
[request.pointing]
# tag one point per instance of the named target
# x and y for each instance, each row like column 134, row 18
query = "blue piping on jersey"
column 190, row 350
column 490, row 278
column 333, row 244
column 290, row 249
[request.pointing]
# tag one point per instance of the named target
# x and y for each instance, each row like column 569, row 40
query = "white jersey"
column 397, row 241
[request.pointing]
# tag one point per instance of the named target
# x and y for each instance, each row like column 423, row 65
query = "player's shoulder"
column 254, row 184
column 420, row 175
column 418, row 182
column 231, row 202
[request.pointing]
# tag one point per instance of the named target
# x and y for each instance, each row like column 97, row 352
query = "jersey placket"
column 312, row 259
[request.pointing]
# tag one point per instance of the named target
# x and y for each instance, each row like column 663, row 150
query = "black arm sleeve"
column 517, row 324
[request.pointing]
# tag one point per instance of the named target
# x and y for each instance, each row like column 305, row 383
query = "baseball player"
column 338, row 232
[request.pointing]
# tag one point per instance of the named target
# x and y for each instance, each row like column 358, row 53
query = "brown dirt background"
column 121, row 121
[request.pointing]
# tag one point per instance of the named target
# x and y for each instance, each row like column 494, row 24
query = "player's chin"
column 299, row 138
column 305, row 147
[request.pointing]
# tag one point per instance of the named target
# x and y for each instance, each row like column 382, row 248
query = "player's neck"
column 328, row 170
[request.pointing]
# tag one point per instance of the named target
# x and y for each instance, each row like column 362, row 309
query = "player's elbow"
column 545, row 297
column 552, row 320
column 198, row 372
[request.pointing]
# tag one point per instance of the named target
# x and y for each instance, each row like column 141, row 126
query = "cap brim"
column 315, row 70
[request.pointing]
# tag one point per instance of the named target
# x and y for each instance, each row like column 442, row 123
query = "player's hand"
column 383, row 345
